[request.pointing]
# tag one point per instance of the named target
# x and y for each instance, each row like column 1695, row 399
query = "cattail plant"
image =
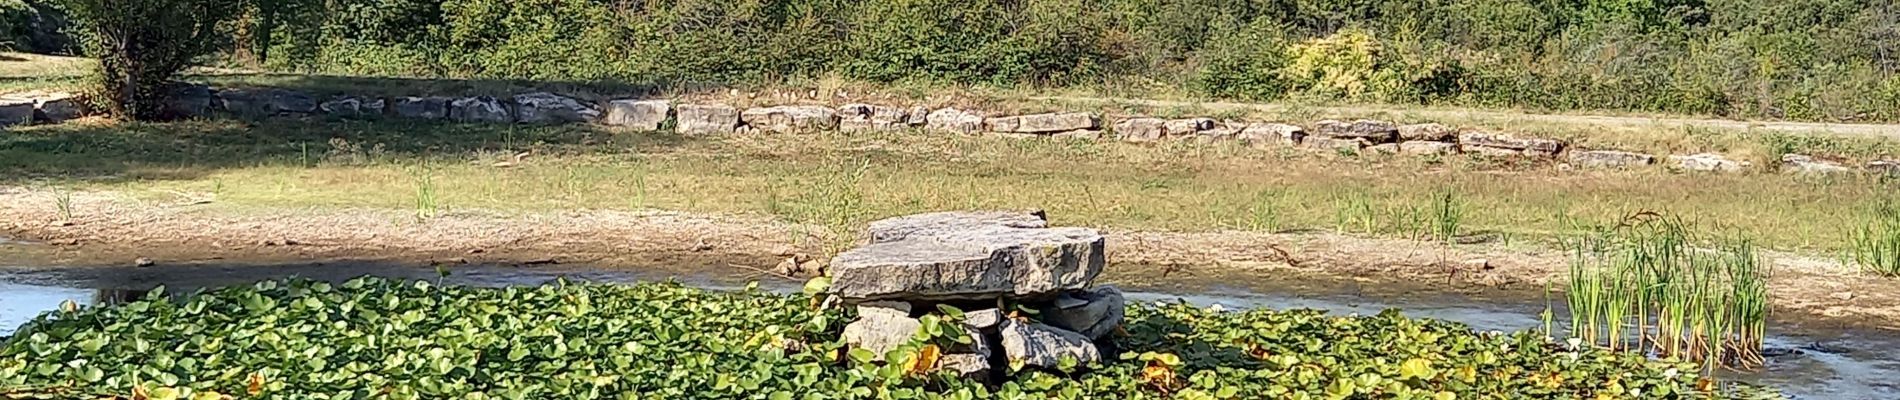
column 1643, row 285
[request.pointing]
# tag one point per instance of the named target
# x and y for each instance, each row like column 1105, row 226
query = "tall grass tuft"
column 1876, row 242
column 1643, row 285
column 63, row 200
column 1446, row 216
column 425, row 200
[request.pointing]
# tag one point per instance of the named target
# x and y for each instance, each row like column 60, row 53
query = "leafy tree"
column 141, row 44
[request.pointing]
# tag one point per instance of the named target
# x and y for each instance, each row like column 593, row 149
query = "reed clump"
column 1649, row 284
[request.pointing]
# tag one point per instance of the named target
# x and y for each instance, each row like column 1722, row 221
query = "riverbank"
column 120, row 229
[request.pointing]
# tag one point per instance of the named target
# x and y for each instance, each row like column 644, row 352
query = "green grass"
column 1876, row 242
column 838, row 180
column 21, row 72
column 1649, row 275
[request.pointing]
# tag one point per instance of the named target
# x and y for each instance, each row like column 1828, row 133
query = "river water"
column 1812, row 363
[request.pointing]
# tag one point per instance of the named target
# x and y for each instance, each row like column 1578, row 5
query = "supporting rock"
column 642, row 115
column 881, row 327
column 1043, row 346
column 1092, row 313
column 706, row 119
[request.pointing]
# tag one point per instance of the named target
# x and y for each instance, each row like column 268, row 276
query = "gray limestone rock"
column 954, row 120
column 1371, row 131
column 481, row 109
column 1610, row 159
column 968, row 256
column 434, row 107
column 644, row 115
column 1141, row 129
column 866, row 117
column 1426, row 148
column 881, row 326
column 1092, row 313
column 1707, row 162
column 706, row 119
column 1044, row 123
column 549, row 108
column 1043, row 346
column 790, row 119
column 353, row 107
column 1507, row 145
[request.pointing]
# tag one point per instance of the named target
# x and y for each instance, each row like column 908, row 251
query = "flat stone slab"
column 1506, row 144
column 1610, row 159
column 1044, row 123
column 1372, row 131
column 973, row 256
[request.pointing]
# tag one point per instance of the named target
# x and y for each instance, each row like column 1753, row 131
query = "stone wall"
column 1371, row 137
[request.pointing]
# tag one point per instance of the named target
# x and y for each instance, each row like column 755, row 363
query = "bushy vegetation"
column 1801, row 59
column 374, row 338
column 141, row 44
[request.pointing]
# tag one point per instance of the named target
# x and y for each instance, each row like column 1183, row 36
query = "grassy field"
column 843, row 180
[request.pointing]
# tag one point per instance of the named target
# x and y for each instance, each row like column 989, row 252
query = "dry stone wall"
column 1329, row 136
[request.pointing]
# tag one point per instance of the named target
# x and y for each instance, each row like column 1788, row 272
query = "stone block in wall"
column 58, row 107
column 1427, row 148
column 1500, row 144
column 190, row 101
column 1353, row 145
column 1186, row 126
column 866, row 117
column 259, row 102
column 479, row 109
column 1803, row 164
column 549, row 108
column 1043, row 123
column 1707, row 162
column 788, row 119
column 16, row 112
column 1141, row 129
column 1885, row 167
column 706, row 119
column 1384, row 148
column 643, row 115
column 1427, row 133
column 1262, row 134
column 954, row 120
column 1610, row 159
column 433, row 107
column 353, row 107
column 1371, row 131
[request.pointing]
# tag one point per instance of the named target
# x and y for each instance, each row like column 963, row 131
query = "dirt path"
column 1889, row 131
column 111, row 229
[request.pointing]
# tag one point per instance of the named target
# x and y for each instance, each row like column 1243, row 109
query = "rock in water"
column 549, row 108
column 881, row 326
column 1044, row 346
column 1092, row 313
column 644, row 115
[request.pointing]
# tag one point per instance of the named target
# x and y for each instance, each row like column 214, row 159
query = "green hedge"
column 1792, row 59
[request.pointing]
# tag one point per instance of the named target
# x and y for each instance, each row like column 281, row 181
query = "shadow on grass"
column 191, row 149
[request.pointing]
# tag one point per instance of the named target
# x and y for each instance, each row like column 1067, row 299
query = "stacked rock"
column 993, row 265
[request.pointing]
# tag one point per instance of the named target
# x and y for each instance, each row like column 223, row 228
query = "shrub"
column 141, row 44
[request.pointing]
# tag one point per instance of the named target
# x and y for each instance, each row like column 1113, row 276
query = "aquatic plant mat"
column 377, row 338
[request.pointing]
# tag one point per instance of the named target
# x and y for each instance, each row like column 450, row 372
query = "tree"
column 141, row 44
